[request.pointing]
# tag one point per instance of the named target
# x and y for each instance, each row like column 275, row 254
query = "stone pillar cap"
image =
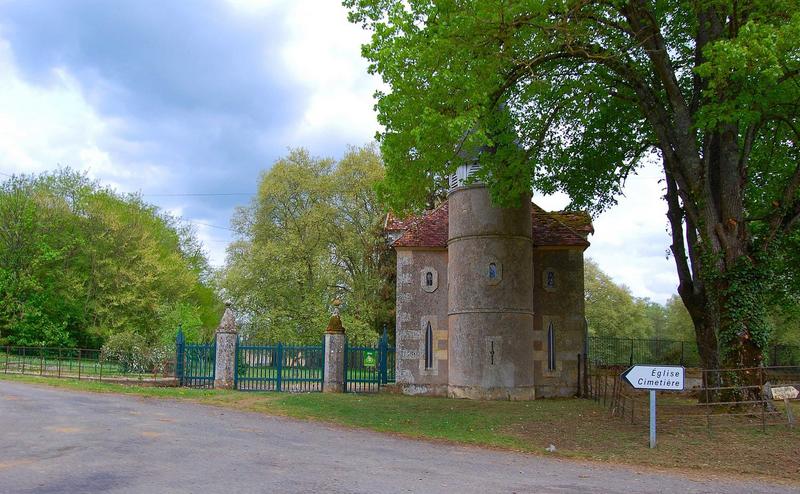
column 228, row 322
column 335, row 323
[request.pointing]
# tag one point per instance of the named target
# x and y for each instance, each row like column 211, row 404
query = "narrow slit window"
column 492, row 271
column 551, row 347
column 428, row 346
column 429, row 279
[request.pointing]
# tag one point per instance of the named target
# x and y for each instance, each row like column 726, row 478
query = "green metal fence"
column 629, row 351
column 80, row 363
column 368, row 368
column 196, row 363
column 293, row 368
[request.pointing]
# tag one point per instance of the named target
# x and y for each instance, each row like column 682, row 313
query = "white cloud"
column 42, row 126
column 631, row 238
column 323, row 55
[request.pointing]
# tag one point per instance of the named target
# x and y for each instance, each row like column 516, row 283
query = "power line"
column 210, row 225
column 202, row 194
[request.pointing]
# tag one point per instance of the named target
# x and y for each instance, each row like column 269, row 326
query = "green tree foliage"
column 312, row 235
column 573, row 96
column 679, row 322
column 612, row 311
column 80, row 263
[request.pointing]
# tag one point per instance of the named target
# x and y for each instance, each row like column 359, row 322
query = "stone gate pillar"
column 225, row 362
column 333, row 375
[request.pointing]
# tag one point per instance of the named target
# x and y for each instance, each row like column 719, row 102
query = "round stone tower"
column 490, row 297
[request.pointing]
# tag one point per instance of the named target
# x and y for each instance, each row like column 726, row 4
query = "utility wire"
column 203, row 194
column 211, row 226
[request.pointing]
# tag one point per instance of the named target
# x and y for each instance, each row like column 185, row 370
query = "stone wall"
column 558, row 303
column 421, row 299
column 490, row 300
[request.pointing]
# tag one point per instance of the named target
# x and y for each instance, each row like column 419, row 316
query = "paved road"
column 56, row 441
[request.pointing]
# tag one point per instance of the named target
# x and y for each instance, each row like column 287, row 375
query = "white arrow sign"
column 784, row 393
column 663, row 377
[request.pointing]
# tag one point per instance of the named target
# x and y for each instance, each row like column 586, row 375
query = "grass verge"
column 578, row 428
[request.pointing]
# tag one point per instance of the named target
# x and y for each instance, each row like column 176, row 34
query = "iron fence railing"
column 367, row 368
column 293, row 368
column 81, row 363
column 609, row 351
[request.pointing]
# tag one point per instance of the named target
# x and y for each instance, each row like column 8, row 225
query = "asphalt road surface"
column 56, row 441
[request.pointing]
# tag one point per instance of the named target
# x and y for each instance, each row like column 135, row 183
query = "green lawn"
column 578, row 428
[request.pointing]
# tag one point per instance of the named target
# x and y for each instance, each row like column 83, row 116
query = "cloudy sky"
column 180, row 99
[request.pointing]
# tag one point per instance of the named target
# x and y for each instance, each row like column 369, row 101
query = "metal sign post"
column 655, row 377
column 652, row 418
column 786, row 393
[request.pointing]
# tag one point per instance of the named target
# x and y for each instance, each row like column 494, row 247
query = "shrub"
column 133, row 354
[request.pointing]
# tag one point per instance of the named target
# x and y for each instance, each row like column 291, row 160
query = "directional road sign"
column 661, row 377
column 784, row 393
column 655, row 377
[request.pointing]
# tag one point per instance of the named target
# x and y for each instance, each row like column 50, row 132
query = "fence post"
column 180, row 341
column 225, row 358
column 236, row 364
column 280, row 367
column 383, row 350
column 631, row 362
column 79, row 363
column 23, row 360
column 586, row 391
column 335, row 354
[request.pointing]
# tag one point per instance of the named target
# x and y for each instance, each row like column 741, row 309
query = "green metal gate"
column 293, row 368
column 367, row 368
column 195, row 363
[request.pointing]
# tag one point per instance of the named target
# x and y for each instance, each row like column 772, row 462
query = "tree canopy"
column 612, row 311
column 80, row 264
column 312, row 235
column 574, row 95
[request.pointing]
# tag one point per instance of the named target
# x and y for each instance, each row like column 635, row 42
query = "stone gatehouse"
column 489, row 300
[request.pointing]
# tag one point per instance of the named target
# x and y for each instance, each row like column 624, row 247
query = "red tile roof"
column 549, row 229
column 429, row 230
column 395, row 224
column 580, row 221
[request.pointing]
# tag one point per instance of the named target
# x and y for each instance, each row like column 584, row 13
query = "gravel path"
column 57, row 441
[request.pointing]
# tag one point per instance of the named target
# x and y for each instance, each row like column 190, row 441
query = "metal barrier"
column 195, row 363
column 81, row 363
column 604, row 350
column 367, row 368
column 293, row 368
